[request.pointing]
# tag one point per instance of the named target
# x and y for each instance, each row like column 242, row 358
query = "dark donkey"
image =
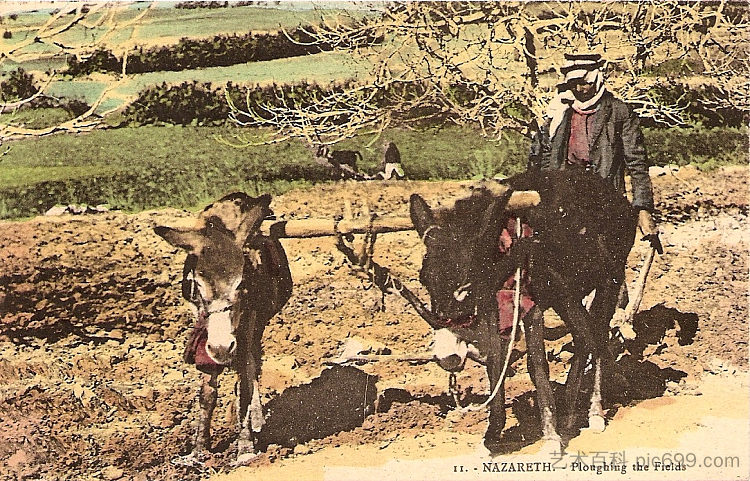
column 237, row 279
column 582, row 234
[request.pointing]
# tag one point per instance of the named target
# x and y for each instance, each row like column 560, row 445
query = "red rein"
column 195, row 350
column 506, row 294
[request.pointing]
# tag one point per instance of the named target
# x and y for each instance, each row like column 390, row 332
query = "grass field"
column 162, row 25
column 165, row 23
column 329, row 67
column 37, row 118
column 19, row 176
column 148, row 167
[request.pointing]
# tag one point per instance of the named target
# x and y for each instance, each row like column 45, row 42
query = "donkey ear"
column 421, row 214
column 252, row 218
column 188, row 239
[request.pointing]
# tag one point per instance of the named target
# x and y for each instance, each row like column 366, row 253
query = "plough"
column 380, row 276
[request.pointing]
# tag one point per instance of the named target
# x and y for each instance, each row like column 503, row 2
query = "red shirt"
column 578, row 143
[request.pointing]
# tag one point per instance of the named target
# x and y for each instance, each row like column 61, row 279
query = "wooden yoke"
column 304, row 228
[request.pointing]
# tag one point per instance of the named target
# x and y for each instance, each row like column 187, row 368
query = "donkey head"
column 461, row 251
column 219, row 271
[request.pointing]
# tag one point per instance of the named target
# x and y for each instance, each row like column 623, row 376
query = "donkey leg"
column 249, row 410
column 209, row 392
column 496, row 348
column 585, row 339
column 497, row 405
column 596, row 413
column 539, row 372
column 601, row 313
column 573, row 388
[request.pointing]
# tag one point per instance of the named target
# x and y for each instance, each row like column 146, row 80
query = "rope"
column 452, row 383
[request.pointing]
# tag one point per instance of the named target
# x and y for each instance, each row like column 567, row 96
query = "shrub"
column 697, row 146
column 19, row 85
column 202, row 4
column 200, row 103
column 101, row 60
column 696, row 111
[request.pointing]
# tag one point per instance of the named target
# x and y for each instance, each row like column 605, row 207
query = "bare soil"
column 92, row 328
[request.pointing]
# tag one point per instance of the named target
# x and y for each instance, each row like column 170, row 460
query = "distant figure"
column 390, row 167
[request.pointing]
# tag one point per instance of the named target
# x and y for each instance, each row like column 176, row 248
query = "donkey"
column 337, row 158
column 582, row 232
column 236, row 280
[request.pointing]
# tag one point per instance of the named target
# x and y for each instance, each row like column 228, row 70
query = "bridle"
column 470, row 319
column 195, row 297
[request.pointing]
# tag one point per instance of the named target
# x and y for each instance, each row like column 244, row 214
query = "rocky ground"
column 92, row 328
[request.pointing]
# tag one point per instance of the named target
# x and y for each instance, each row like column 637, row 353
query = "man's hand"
column 649, row 230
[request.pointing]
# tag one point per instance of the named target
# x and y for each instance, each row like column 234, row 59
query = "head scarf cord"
column 577, row 66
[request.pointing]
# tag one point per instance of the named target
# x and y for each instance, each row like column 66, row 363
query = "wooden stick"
column 423, row 358
column 635, row 302
column 420, row 358
column 386, row 282
column 304, row 228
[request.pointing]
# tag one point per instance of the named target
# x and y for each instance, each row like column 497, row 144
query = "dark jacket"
column 616, row 142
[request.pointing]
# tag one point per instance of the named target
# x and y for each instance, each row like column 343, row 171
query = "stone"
column 301, row 449
column 112, row 473
column 117, row 334
column 56, row 210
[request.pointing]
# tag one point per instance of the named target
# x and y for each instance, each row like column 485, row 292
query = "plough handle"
column 640, row 287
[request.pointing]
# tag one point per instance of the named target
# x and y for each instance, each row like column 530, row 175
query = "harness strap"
column 516, row 318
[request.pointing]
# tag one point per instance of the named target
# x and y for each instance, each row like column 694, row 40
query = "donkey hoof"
column 191, row 460
column 244, row 459
column 596, row 423
column 492, row 437
column 493, row 444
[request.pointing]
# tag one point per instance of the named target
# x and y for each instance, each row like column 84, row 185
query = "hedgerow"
column 202, row 103
column 188, row 54
column 19, row 85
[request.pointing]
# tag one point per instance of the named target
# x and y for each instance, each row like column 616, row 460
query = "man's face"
column 584, row 91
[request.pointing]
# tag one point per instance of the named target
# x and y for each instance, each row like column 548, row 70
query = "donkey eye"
column 462, row 292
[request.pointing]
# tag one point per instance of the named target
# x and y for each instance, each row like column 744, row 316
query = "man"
column 586, row 127
column 390, row 167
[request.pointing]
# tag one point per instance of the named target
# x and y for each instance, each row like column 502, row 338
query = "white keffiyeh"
column 565, row 98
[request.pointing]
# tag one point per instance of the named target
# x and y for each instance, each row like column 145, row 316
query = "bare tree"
column 106, row 18
column 496, row 64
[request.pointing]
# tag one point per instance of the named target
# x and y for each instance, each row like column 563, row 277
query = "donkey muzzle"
column 449, row 350
column 221, row 343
